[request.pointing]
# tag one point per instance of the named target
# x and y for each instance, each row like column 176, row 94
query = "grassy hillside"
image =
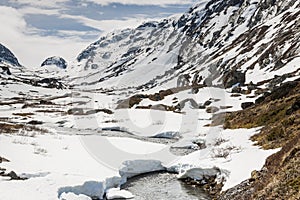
column 279, row 114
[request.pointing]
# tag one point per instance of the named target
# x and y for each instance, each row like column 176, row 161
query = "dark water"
column 163, row 186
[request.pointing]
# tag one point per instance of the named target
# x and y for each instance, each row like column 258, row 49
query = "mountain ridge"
column 209, row 40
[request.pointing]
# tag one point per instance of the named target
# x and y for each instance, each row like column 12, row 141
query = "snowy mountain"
column 158, row 98
column 6, row 56
column 225, row 42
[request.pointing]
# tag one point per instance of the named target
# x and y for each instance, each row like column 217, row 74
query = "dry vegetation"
column 8, row 127
column 279, row 113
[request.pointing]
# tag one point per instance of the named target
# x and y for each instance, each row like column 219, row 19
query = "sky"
column 36, row 29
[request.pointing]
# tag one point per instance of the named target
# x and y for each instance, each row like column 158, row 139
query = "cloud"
column 37, row 29
column 40, row 3
column 30, row 48
column 59, row 3
column 141, row 2
column 109, row 25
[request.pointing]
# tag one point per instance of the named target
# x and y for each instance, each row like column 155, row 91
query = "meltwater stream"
column 163, row 186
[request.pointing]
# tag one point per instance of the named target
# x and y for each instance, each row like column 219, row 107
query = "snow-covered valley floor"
column 84, row 156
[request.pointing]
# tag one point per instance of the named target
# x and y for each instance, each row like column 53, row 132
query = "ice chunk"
column 116, row 193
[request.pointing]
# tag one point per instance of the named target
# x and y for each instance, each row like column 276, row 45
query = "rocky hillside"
column 279, row 113
column 223, row 42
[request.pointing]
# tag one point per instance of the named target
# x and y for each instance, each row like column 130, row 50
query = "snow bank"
column 199, row 173
column 72, row 196
column 116, row 193
column 241, row 158
column 92, row 188
column 135, row 167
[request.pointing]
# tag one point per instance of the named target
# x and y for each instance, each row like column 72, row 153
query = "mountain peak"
column 56, row 61
column 6, row 56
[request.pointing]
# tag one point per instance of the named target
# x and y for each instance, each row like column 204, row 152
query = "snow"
column 198, row 173
column 132, row 168
column 235, row 167
column 143, row 147
column 72, row 196
column 65, row 168
column 79, row 158
column 116, row 193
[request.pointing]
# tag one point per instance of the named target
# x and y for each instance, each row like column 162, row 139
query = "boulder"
column 233, row 77
column 247, row 105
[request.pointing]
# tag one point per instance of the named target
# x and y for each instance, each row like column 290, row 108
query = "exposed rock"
column 46, row 102
column 48, row 83
column 235, row 95
column 107, row 111
column 236, row 89
column 192, row 103
column 3, row 160
column 130, row 102
column 262, row 98
column 75, row 111
column 202, row 107
column 5, row 70
column 233, row 77
column 160, row 95
column 251, row 86
column 13, row 176
column 247, row 105
column 207, row 103
column 35, row 122
column 162, row 107
column 212, row 109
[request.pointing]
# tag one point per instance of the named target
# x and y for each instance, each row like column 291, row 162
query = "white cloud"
column 109, row 25
column 32, row 49
column 40, row 3
column 34, row 10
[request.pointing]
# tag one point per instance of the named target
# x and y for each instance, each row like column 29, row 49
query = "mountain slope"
column 280, row 176
column 225, row 42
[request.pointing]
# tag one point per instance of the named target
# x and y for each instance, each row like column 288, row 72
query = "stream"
column 163, row 186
